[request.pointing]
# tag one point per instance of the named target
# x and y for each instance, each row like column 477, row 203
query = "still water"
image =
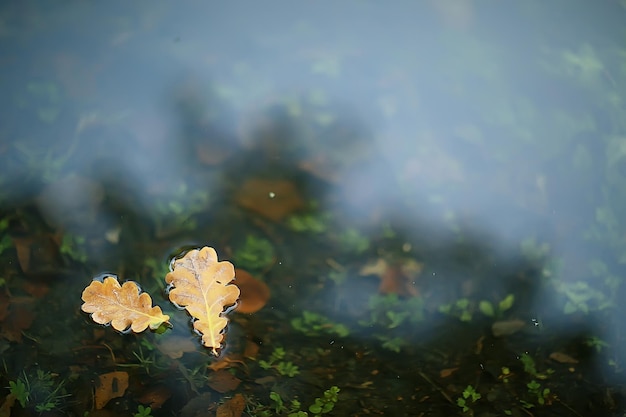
column 423, row 202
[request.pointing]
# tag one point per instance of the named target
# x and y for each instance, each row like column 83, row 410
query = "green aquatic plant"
column 256, row 254
column 596, row 343
column 505, row 374
column 353, row 241
column 314, row 324
column 326, row 403
column 44, row 98
column 174, row 212
column 19, row 391
column 157, row 270
column 581, row 297
column 533, row 250
column 530, row 368
column 147, row 362
column 280, row 408
column 73, row 247
column 276, row 361
column 468, row 397
column 498, row 310
column 316, row 223
column 390, row 311
column 143, row 411
column 460, row 309
column 541, row 395
column 392, row 343
column 338, row 276
column 5, row 241
column 41, row 392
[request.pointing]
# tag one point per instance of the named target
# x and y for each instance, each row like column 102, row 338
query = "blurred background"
column 424, row 201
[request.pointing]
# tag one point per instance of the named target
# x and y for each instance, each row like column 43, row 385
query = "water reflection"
column 402, row 171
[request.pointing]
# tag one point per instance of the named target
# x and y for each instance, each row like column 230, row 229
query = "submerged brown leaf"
column 16, row 315
column 223, row 381
column 254, row 292
column 123, row 306
column 200, row 284
column 272, row 199
column 395, row 278
column 233, row 407
column 109, row 386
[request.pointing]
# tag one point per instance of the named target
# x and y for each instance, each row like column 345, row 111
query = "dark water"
column 432, row 191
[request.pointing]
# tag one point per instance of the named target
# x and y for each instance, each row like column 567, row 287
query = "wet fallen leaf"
column 233, row 407
column 272, row 199
column 155, row 396
column 71, row 203
column 5, row 408
column 212, row 155
column 198, row 406
column 251, row 350
column 175, row 346
column 507, row 327
column 123, row 306
column 562, row 357
column 200, row 284
column 37, row 254
column 223, row 381
column 444, row 373
column 19, row 317
column 36, row 288
column 266, row 380
column 4, row 305
column 110, row 385
column 227, row 361
column 395, row 278
column 254, row 293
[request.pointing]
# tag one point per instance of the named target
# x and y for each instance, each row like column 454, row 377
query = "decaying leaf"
column 16, row 315
column 233, row 407
column 507, row 327
column 223, row 381
column 5, row 408
column 395, row 278
column 272, row 199
column 176, row 346
column 200, row 284
column 254, row 292
column 444, row 373
column 110, row 385
column 197, row 406
column 124, row 306
column 562, row 357
column 155, row 396
column 229, row 360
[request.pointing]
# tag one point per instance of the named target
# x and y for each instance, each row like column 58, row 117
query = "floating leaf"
column 123, row 306
column 200, row 284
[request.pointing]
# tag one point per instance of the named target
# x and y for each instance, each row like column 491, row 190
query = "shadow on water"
column 438, row 222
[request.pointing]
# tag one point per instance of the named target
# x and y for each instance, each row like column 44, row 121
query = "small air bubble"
column 272, row 195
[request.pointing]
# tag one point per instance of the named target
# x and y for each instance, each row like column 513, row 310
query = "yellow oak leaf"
column 200, row 284
column 124, row 306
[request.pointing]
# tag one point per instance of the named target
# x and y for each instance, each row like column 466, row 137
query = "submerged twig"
column 435, row 386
